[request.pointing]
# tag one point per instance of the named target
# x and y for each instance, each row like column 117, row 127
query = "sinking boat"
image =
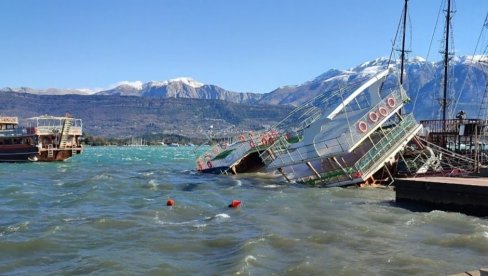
column 359, row 132
column 58, row 138
column 239, row 154
column 16, row 143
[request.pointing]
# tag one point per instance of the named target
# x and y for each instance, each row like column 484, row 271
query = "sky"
column 244, row 46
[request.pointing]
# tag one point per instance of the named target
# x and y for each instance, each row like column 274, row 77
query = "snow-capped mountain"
column 423, row 82
column 181, row 88
column 468, row 79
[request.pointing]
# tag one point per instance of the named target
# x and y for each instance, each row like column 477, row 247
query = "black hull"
column 18, row 154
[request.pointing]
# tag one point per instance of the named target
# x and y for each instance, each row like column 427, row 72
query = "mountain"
column 125, row 116
column 182, row 88
column 49, row 91
column 423, row 79
column 136, row 107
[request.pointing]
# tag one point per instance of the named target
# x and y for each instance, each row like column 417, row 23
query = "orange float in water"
column 170, row 202
column 235, row 203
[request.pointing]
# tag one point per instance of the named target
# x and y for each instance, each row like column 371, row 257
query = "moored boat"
column 57, row 137
column 16, row 143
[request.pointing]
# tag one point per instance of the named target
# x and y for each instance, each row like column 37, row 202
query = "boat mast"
column 403, row 41
column 446, row 59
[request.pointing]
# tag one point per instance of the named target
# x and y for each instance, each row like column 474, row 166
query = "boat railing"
column 233, row 152
column 379, row 150
column 369, row 160
column 308, row 152
column 347, row 141
column 375, row 117
column 50, row 130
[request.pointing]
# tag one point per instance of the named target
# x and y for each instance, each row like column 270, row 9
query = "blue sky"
column 245, row 46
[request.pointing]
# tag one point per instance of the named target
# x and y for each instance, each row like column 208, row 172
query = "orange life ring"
column 391, row 102
column 242, row 138
column 362, row 126
column 264, row 141
column 373, row 117
column 251, row 143
column 383, row 111
column 270, row 140
column 209, row 164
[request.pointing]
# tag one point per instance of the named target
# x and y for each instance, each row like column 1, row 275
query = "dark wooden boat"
column 16, row 143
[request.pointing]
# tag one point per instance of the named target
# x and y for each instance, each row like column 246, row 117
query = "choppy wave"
column 104, row 212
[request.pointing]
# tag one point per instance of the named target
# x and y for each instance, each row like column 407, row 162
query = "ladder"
column 50, row 151
column 65, row 132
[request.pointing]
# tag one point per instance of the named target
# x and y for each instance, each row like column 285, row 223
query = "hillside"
column 124, row 116
column 185, row 106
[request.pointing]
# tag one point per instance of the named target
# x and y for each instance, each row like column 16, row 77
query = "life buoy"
column 391, row 102
column 373, row 117
column 264, row 141
column 242, row 138
column 270, row 140
column 251, row 143
column 383, row 111
column 362, row 127
column 209, row 164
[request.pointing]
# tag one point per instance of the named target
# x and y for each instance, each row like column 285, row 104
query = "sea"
column 104, row 213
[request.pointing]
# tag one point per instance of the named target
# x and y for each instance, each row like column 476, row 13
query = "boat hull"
column 216, row 170
column 57, row 154
column 18, row 153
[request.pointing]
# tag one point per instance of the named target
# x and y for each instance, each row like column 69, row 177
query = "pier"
column 467, row 195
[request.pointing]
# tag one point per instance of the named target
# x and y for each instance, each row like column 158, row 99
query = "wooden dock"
column 467, row 195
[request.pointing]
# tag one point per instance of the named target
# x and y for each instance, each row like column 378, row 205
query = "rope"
column 428, row 53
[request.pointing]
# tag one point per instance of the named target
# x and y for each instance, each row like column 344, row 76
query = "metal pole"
column 446, row 60
column 403, row 40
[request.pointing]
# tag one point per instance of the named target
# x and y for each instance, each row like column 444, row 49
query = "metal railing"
column 379, row 152
column 344, row 142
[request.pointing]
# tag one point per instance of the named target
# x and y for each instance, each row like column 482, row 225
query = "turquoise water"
column 104, row 212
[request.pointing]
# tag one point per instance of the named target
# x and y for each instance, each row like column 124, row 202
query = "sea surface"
column 104, row 212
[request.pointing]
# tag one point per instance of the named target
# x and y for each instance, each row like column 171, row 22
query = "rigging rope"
column 428, row 53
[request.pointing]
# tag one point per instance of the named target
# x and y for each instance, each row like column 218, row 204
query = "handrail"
column 370, row 125
column 343, row 142
column 385, row 144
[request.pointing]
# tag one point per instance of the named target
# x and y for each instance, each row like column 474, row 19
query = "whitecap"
column 200, row 225
column 218, row 217
column 272, row 186
column 249, row 258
